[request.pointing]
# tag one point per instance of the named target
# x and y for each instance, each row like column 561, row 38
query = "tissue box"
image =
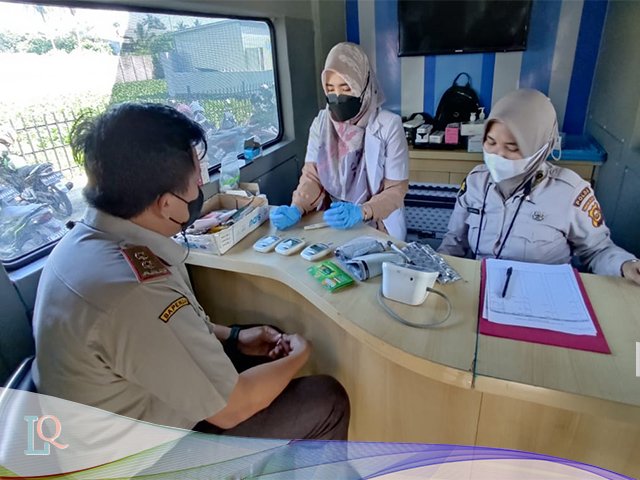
column 436, row 137
column 222, row 241
column 452, row 134
column 469, row 129
column 474, row 144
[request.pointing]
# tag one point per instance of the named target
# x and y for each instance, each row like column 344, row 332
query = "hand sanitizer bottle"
column 229, row 172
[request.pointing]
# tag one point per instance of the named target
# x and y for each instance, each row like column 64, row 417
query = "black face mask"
column 194, row 207
column 343, row 107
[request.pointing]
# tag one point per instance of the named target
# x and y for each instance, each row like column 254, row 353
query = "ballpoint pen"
column 506, row 282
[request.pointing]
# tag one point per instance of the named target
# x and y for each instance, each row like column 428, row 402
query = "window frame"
column 44, row 250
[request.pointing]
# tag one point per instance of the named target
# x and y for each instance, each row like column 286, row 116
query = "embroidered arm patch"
column 173, row 308
column 581, row 196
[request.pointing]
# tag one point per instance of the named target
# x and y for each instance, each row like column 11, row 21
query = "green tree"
column 42, row 10
column 147, row 40
column 11, row 42
column 39, row 45
column 67, row 43
column 96, row 45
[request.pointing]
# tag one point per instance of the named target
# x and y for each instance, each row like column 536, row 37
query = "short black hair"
column 133, row 153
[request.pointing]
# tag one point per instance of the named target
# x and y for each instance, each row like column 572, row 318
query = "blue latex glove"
column 284, row 217
column 343, row 215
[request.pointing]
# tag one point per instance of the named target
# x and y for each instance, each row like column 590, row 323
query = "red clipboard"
column 595, row 343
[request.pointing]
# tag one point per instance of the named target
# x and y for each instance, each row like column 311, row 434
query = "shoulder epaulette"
column 145, row 265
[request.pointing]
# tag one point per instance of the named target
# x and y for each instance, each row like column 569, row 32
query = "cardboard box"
column 469, row 129
column 452, row 134
column 222, row 241
column 436, row 137
column 422, row 135
column 474, row 144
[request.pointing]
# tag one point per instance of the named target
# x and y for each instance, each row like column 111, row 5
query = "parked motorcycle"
column 25, row 228
column 39, row 183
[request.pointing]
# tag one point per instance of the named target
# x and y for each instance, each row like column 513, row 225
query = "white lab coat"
column 386, row 155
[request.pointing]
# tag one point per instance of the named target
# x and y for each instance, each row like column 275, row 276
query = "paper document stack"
column 536, row 296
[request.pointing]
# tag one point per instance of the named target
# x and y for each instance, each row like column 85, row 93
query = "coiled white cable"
column 404, row 321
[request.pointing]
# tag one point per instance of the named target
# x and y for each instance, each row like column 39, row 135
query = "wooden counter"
column 452, row 166
column 416, row 385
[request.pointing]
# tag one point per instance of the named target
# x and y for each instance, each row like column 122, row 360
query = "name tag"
column 475, row 211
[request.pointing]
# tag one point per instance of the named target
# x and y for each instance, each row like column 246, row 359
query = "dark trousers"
column 315, row 407
column 311, row 408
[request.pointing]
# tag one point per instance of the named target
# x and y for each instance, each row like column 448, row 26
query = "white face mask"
column 502, row 168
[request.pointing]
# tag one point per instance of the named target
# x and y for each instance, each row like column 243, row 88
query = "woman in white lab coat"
column 357, row 162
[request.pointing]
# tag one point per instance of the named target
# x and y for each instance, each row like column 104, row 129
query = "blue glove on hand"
column 343, row 215
column 284, row 217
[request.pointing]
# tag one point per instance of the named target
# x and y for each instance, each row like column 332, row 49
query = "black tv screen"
column 429, row 27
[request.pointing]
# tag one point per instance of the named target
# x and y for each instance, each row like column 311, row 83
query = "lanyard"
column 527, row 191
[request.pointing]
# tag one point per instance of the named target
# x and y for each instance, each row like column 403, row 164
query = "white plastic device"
column 315, row 251
column 406, row 285
column 267, row 243
column 290, row 245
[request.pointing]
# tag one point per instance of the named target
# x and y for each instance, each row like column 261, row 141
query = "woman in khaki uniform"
column 357, row 161
column 517, row 206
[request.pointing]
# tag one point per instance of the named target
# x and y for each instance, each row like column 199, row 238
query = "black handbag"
column 457, row 103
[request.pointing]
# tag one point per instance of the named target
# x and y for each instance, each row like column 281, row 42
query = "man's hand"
column 631, row 270
column 263, row 341
column 297, row 345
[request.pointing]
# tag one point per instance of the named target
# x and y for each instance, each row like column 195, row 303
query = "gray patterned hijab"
column 340, row 164
column 532, row 120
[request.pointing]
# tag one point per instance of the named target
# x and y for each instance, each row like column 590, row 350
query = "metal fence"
column 46, row 139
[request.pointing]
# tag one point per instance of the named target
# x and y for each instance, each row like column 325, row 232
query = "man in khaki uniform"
column 116, row 323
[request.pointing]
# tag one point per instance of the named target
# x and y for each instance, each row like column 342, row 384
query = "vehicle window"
column 58, row 62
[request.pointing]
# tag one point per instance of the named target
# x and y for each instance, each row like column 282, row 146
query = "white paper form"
column 538, row 296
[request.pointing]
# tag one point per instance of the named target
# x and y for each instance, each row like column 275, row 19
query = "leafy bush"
column 39, row 45
column 148, row 90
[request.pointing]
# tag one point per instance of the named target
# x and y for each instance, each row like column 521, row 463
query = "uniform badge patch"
column 463, row 188
column 581, row 196
column 144, row 263
column 538, row 216
column 173, row 308
column 592, row 207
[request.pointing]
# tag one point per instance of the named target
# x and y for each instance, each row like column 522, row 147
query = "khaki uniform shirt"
column 120, row 329
column 560, row 218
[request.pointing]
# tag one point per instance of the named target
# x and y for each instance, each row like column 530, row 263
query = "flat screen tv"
column 430, row 27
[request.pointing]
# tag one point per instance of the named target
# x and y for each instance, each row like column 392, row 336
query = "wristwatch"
column 231, row 343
